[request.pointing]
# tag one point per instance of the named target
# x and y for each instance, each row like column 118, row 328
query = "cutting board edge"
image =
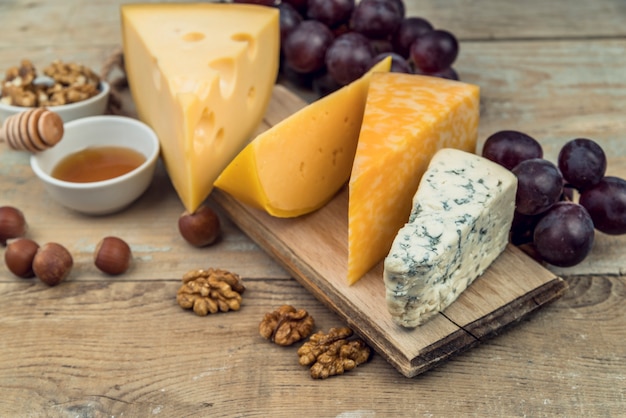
column 479, row 331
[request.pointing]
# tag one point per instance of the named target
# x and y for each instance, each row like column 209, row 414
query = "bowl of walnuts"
column 71, row 90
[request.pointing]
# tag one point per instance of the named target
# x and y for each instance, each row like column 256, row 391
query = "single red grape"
column 606, row 203
column 305, row 47
column 434, row 51
column 349, row 57
column 509, row 148
column 582, row 162
column 564, row 235
column 539, row 186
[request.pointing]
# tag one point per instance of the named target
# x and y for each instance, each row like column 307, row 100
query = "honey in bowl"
column 97, row 164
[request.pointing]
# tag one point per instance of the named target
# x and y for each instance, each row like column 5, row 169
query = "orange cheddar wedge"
column 407, row 119
column 299, row 164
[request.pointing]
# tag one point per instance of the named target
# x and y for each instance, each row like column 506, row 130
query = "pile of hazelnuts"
column 52, row 262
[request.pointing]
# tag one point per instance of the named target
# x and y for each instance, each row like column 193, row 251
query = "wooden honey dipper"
column 33, row 130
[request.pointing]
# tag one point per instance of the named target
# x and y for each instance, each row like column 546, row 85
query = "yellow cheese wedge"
column 201, row 75
column 300, row 163
column 407, row 119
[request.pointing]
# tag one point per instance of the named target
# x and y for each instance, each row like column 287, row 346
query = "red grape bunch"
column 326, row 44
column 547, row 215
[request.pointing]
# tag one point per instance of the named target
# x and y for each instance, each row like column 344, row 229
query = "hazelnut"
column 19, row 256
column 52, row 263
column 112, row 255
column 200, row 228
column 12, row 223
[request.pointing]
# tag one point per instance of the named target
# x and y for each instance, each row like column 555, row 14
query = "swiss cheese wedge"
column 407, row 119
column 201, row 75
column 300, row 163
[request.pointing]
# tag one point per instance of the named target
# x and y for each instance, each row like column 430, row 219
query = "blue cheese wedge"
column 459, row 224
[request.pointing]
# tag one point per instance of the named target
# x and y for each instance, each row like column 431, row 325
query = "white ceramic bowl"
column 93, row 106
column 107, row 196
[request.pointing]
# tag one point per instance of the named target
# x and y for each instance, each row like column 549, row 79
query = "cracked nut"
column 112, row 255
column 286, row 325
column 333, row 354
column 210, row 291
column 52, row 263
column 12, row 223
column 19, row 257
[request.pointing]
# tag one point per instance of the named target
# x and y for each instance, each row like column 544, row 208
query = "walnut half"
column 210, row 291
column 286, row 325
column 333, row 354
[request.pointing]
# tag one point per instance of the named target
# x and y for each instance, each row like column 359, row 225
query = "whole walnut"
column 286, row 325
column 333, row 354
column 210, row 291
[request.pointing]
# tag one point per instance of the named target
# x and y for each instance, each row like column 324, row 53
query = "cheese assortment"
column 201, row 75
column 299, row 164
column 459, row 224
column 407, row 119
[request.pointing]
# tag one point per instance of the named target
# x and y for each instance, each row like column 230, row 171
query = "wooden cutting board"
column 314, row 249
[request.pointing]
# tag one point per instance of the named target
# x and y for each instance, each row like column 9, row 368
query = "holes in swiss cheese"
column 193, row 37
column 225, row 67
column 206, row 134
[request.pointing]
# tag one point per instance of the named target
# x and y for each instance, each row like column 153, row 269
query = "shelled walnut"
column 333, row 354
column 210, row 291
column 286, row 325
column 64, row 83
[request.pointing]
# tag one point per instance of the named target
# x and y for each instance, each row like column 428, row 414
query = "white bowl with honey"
column 101, row 165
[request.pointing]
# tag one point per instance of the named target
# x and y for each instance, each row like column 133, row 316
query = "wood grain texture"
column 103, row 347
column 124, row 347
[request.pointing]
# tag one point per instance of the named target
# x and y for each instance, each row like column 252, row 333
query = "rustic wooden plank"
column 534, row 19
column 87, row 23
column 553, row 90
column 496, row 303
column 118, row 348
column 137, row 351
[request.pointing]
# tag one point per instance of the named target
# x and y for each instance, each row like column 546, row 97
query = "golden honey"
column 97, row 164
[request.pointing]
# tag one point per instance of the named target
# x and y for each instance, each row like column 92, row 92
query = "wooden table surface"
column 99, row 346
